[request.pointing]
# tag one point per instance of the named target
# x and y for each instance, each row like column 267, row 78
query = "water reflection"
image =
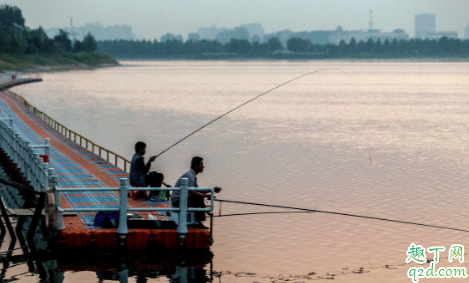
column 168, row 265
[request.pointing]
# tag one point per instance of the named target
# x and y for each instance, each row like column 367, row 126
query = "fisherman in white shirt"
column 196, row 198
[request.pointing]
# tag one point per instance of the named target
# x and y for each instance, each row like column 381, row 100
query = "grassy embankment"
column 42, row 62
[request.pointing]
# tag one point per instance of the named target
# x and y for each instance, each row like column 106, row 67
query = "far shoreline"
column 241, row 59
column 65, row 68
column 54, row 62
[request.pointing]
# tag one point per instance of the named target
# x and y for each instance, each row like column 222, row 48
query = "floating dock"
column 79, row 166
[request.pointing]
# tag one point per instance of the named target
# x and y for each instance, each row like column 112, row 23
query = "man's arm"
column 141, row 166
column 202, row 193
column 198, row 194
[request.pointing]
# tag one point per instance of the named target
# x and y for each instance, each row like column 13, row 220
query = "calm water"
column 381, row 139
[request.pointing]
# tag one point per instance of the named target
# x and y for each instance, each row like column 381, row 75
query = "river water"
column 380, row 139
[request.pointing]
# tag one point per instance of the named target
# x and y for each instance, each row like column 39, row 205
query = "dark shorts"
column 195, row 202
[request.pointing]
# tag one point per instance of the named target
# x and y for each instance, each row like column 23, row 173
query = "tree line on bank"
column 174, row 48
column 16, row 38
column 443, row 47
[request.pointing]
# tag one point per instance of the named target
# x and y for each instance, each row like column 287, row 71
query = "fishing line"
column 241, row 105
column 333, row 212
column 265, row 212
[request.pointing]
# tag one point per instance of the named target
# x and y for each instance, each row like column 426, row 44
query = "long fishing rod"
column 332, row 212
column 241, row 105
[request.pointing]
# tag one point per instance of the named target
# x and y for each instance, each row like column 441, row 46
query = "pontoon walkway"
column 78, row 167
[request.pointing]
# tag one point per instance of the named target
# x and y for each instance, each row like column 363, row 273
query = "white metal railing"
column 37, row 172
column 27, row 159
column 122, row 229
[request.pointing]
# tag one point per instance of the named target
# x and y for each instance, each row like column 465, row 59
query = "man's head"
column 197, row 164
column 140, row 148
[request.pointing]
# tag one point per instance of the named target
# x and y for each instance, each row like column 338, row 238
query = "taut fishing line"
column 306, row 210
column 241, row 105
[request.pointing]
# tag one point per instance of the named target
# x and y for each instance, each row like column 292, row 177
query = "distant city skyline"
column 99, row 31
column 151, row 19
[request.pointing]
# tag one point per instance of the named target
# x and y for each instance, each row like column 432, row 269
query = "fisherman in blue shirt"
column 139, row 170
column 196, row 198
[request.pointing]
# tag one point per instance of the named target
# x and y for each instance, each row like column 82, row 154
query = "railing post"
column 2, row 135
column 16, row 143
column 59, row 223
column 36, row 165
column 122, row 230
column 182, row 227
column 23, row 156
column 5, row 136
column 10, row 142
column 10, row 116
column 40, row 176
column 45, row 167
column 51, row 173
column 20, row 159
column 27, row 158
column 47, row 144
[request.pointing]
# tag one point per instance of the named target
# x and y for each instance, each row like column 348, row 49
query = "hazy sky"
column 152, row 18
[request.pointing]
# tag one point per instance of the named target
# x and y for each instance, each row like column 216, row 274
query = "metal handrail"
column 122, row 229
column 27, row 160
column 110, row 156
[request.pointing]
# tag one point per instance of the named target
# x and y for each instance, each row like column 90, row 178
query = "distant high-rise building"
column 256, row 31
column 253, row 32
column 424, row 24
column 229, row 34
column 466, row 32
column 209, row 33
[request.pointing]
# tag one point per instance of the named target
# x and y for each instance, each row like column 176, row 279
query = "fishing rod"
column 241, row 105
column 329, row 212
